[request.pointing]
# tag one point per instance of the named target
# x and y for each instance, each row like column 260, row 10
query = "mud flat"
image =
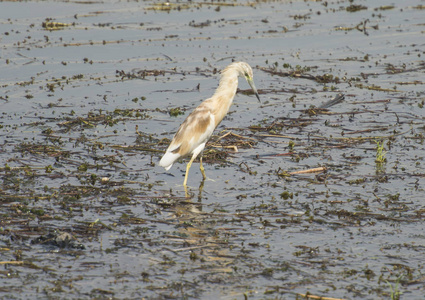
column 305, row 197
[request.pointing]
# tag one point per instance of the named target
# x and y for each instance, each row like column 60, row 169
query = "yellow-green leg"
column 186, row 192
column 187, row 169
column 202, row 168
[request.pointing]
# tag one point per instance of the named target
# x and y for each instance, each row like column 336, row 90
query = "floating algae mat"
column 317, row 191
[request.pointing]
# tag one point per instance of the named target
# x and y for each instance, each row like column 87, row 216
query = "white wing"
column 191, row 137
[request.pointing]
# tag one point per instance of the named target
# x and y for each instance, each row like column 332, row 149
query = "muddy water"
column 91, row 93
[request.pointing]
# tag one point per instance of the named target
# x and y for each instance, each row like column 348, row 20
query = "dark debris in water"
column 308, row 195
column 299, row 72
column 143, row 74
column 58, row 239
column 51, row 25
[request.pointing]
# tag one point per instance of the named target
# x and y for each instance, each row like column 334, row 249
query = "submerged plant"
column 380, row 153
column 395, row 292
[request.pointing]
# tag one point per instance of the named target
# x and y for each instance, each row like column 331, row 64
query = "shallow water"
column 85, row 115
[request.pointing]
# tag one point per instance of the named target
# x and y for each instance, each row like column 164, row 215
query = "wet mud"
column 317, row 192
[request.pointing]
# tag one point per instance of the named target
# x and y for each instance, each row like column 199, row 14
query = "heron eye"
column 246, row 74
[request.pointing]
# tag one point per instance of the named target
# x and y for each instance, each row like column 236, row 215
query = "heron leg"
column 202, row 168
column 201, row 188
column 186, row 192
column 187, row 169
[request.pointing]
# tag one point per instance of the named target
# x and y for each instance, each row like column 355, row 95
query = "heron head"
column 246, row 71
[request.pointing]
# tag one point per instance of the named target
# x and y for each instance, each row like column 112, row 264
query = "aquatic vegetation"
column 380, row 152
column 316, row 193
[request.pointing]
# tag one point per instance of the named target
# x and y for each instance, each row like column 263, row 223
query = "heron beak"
column 254, row 89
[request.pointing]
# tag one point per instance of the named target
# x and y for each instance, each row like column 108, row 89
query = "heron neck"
column 227, row 87
column 223, row 96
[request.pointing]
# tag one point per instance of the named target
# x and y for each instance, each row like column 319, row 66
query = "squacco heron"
column 198, row 127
